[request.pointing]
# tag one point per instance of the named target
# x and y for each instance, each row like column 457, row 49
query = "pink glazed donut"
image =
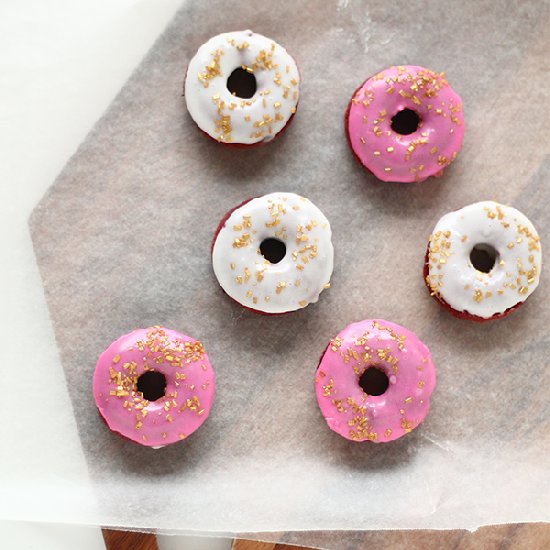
column 154, row 386
column 405, row 124
column 374, row 381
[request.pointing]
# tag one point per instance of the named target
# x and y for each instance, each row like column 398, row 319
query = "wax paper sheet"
column 122, row 240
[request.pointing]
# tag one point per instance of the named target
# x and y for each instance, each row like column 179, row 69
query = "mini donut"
column 374, row 381
column 405, row 124
column 154, row 386
column 242, row 88
column 483, row 261
column 274, row 254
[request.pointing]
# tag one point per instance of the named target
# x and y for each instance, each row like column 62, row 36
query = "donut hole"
column 242, row 83
column 152, row 384
column 483, row 257
column 273, row 250
column 374, row 381
column 405, row 122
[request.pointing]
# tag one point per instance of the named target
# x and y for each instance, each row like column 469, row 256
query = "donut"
column 242, row 88
column 405, row 124
column 273, row 254
column 483, row 261
column 154, row 386
column 374, row 381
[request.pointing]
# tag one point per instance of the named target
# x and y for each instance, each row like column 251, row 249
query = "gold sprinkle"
column 302, row 303
column 240, row 242
column 408, row 399
column 116, row 358
column 389, row 149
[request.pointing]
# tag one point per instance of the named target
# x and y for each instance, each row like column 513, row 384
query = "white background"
column 61, row 64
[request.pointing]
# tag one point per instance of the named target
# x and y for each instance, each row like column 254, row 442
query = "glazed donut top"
column 391, row 156
column 296, row 280
column 231, row 119
column 189, row 386
column 397, row 352
column 507, row 235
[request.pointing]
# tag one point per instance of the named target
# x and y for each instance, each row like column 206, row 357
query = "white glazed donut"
column 227, row 117
column 300, row 268
column 483, row 260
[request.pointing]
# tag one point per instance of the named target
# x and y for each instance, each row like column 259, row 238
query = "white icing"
column 515, row 274
column 228, row 118
column 299, row 277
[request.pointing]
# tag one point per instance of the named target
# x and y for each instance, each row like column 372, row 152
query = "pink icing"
column 189, row 386
column 396, row 351
column 414, row 157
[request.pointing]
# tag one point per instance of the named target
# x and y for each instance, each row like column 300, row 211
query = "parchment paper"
column 123, row 239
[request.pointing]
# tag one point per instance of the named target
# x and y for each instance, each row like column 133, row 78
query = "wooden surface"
column 523, row 536
column 129, row 540
column 242, row 544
